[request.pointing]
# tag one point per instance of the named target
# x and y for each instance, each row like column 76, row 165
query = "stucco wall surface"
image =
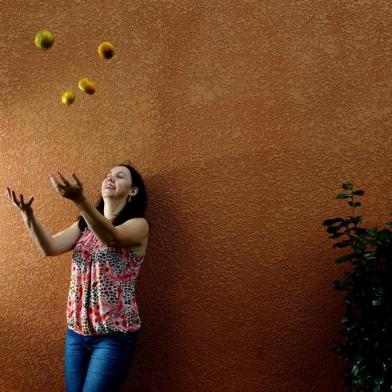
column 244, row 117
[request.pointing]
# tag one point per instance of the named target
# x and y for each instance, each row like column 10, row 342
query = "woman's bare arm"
column 49, row 245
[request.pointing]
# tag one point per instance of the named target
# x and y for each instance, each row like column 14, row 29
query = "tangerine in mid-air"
column 87, row 86
column 44, row 39
column 68, row 97
column 106, row 50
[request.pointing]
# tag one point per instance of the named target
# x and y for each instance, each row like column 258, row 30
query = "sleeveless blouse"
column 101, row 298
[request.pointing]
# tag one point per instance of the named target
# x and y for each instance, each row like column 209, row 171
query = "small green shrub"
column 366, row 342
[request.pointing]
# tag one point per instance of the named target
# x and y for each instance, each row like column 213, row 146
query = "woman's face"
column 117, row 183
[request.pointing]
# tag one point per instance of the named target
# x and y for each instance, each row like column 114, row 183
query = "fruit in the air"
column 87, row 86
column 68, row 97
column 44, row 39
column 106, row 50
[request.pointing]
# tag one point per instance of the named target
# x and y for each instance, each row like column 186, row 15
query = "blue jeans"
column 97, row 363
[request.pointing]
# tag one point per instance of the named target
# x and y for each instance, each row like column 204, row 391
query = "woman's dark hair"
column 134, row 209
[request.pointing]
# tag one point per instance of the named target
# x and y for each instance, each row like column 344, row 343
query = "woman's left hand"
column 70, row 191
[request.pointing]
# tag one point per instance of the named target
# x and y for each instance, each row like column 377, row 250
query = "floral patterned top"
column 101, row 297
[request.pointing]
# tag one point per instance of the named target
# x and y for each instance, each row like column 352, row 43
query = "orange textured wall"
column 244, row 118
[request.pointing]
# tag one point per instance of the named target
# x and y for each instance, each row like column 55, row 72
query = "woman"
column 108, row 244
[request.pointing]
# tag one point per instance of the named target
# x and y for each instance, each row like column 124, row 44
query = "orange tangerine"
column 106, row 50
column 87, row 86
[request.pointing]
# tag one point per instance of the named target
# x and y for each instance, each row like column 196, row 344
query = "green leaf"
column 344, row 258
column 336, row 235
column 372, row 232
column 333, row 229
column 347, row 186
column 369, row 256
column 355, row 370
column 329, row 222
column 359, row 231
column 376, row 302
column 380, row 380
column 355, row 219
column 384, row 234
column 359, row 192
column 379, row 290
column 341, row 196
column 342, row 244
column 354, row 205
column 340, row 285
column 337, row 350
column 359, row 246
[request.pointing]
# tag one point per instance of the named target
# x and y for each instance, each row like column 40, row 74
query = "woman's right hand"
column 24, row 208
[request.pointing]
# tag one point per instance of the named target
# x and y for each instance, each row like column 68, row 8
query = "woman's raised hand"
column 24, row 208
column 70, row 191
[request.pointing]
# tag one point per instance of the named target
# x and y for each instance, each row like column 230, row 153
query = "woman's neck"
column 112, row 208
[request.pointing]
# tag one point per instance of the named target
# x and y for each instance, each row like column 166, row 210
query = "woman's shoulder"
column 140, row 219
